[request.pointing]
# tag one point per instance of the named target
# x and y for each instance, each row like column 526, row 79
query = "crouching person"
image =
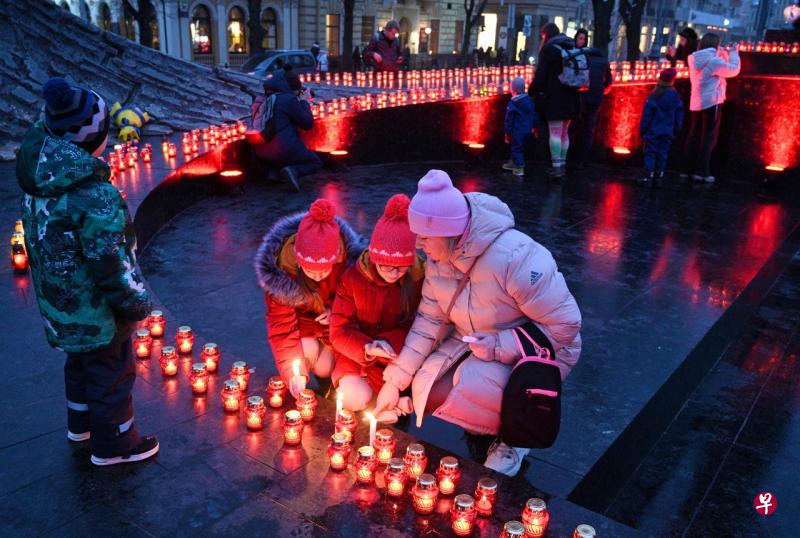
column 374, row 307
column 482, row 278
column 299, row 265
column 81, row 246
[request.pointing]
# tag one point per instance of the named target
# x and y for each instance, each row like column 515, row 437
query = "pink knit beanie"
column 438, row 209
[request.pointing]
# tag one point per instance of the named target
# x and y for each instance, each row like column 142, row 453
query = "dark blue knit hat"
column 75, row 113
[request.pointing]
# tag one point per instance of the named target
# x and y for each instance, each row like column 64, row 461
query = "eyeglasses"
column 391, row 269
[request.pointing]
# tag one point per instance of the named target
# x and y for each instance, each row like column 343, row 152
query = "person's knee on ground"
column 325, row 362
column 356, row 392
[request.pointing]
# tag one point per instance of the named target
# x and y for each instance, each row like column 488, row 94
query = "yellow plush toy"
column 129, row 121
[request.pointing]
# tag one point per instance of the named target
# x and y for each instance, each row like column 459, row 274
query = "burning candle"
column 339, row 451
column 307, row 404
column 241, row 374
column 486, row 496
column 199, row 378
column 366, row 463
column 373, row 425
column 346, row 422
column 169, row 361
column 276, row 391
column 131, row 158
column 19, row 228
column 463, row 515
column 156, row 324
column 121, row 164
column 384, row 444
column 535, row 517
column 19, row 258
column 584, row 531
column 211, row 355
column 416, row 460
column 513, row 529
column 147, row 156
column 255, row 410
column 242, row 127
column 448, row 475
column 231, row 395
column 184, row 339
column 292, row 427
column 172, row 151
column 424, row 494
column 395, row 477
column 143, row 343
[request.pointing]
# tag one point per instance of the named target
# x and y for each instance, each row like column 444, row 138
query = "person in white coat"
column 461, row 349
column 709, row 68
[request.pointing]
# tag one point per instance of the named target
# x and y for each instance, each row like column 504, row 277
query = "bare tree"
column 473, row 10
column 255, row 30
column 602, row 23
column 143, row 13
column 347, row 38
column 631, row 12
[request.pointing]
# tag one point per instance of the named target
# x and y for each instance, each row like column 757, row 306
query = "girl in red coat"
column 299, row 265
column 375, row 305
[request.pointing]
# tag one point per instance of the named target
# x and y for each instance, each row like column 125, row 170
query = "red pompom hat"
column 393, row 242
column 317, row 244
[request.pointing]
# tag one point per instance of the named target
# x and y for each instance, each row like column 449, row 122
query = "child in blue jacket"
column 661, row 121
column 520, row 122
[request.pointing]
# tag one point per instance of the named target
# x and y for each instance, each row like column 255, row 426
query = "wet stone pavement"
column 653, row 273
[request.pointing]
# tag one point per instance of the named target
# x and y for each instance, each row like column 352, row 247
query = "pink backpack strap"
column 541, row 351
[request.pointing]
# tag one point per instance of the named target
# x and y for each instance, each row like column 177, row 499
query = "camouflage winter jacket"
column 80, row 243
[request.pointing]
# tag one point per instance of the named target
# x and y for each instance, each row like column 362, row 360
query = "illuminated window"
column 269, row 21
column 332, row 34
column 237, row 31
column 200, row 30
column 559, row 22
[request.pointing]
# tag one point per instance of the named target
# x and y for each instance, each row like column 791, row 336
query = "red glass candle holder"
column 424, row 494
column 172, row 150
column 346, row 422
column 169, row 361
column 143, row 343
column 384, row 444
column 513, row 529
column 156, row 324
column 395, row 477
column 307, row 404
column 211, row 356
column 535, row 517
column 584, row 531
column 184, row 340
column 19, row 258
column 231, row 395
column 448, row 475
column 339, row 451
column 463, row 515
column 276, row 392
column 292, row 428
column 199, row 378
column 240, row 373
column 255, row 410
column 486, row 496
column 366, row 464
column 147, row 156
column 416, row 460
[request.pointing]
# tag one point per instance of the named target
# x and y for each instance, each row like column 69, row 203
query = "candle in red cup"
column 416, row 460
column 366, row 464
column 276, row 392
column 292, row 427
column 156, row 323
column 147, row 156
column 448, row 475
column 307, row 404
column 513, row 529
column 486, row 496
column 255, row 410
column 535, row 517
column 173, row 150
column 424, row 494
column 143, row 343
column 339, row 451
column 231, row 395
column 584, row 531
column 395, row 477
column 346, row 422
column 199, row 378
column 240, row 373
column 463, row 515
column 184, row 339
column 169, row 361
column 19, row 258
column 211, row 355
column 384, row 444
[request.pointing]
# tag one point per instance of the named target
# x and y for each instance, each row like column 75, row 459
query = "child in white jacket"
column 708, row 69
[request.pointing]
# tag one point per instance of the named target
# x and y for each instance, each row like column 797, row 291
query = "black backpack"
column 530, row 415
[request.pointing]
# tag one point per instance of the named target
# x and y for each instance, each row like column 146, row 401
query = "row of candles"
column 398, row 472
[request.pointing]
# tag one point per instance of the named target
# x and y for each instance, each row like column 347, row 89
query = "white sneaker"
column 505, row 459
column 709, row 179
column 78, row 437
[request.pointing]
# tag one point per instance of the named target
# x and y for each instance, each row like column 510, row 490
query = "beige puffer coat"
column 514, row 280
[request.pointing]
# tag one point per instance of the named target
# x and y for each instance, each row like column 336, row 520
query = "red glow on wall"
column 779, row 125
column 329, row 134
column 626, row 105
column 475, row 115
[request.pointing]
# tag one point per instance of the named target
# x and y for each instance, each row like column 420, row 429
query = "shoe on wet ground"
column 146, row 448
column 509, row 165
column 78, row 437
column 519, row 171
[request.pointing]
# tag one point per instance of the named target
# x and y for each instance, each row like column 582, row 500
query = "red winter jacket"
column 367, row 308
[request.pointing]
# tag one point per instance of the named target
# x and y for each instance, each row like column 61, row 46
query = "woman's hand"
column 324, row 318
column 483, row 348
column 296, row 384
column 388, row 398
column 379, row 348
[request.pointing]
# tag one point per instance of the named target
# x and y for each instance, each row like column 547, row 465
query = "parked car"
column 268, row 62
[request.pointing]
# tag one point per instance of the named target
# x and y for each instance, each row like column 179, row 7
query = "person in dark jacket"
column 558, row 104
column 687, row 44
column 519, row 123
column 660, row 124
column 82, row 251
column 600, row 81
column 383, row 49
column 356, row 59
column 291, row 110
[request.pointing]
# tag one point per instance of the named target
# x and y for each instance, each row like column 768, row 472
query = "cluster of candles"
column 126, row 155
column 19, row 255
column 771, row 48
column 644, row 70
column 212, row 136
column 425, row 79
